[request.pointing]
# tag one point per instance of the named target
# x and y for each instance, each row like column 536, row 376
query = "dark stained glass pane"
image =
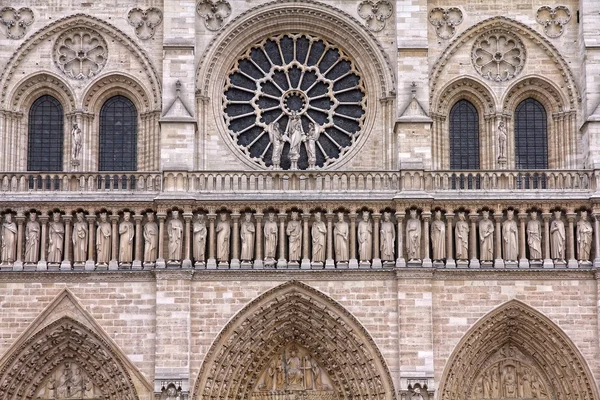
column 45, row 144
column 531, row 137
column 118, row 135
column 464, row 136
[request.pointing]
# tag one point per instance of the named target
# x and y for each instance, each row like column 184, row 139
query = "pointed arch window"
column 118, row 135
column 46, row 135
column 464, row 136
column 531, row 135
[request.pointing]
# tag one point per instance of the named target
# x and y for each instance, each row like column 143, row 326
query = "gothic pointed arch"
column 268, row 334
column 538, row 88
column 516, row 352
column 65, row 353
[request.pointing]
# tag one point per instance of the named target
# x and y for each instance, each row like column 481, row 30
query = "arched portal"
column 516, row 352
column 294, row 339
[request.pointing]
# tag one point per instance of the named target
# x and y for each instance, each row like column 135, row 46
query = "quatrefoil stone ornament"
column 375, row 13
column 80, row 53
column 16, row 21
column 214, row 13
column 445, row 21
column 144, row 21
column 553, row 19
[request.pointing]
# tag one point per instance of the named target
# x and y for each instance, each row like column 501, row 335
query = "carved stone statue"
column 150, row 239
column 296, row 136
column 387, row 237
column 312, row 136
column 365, row 238
column 413, row 236
column 340, row 238
column 534, row 237
column 223, row 233
column 486, row 237
column 271, row 234
column 501, row 140
column 175, row 233
column 461, row 237
column 295, row 373
column 126, row 232
column 294, row 232
column 557, row 237
column 76, row 142
column 277, row 141
column 438, row 237
column 32, row 240
column 80, row 239
column 510, row 237
column 200, row 233
column 56, row 239
column 247, row 232
column 584, row 237
column 318, row 232
column 103, row 240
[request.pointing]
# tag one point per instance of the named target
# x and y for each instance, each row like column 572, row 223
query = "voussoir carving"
column 498, row 55
column 80, row 53
column 553, row 19
column 16, row 21
column 214, row 13
column 144, row 21
column 375, row 13
column 445, row 21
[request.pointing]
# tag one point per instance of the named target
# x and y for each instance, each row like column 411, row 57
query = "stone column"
column 306, row 245
column 548, row 263
column 376, row 256
column 353, row 261
column 187, row 237
column 235, row 259
column 474, row 263
column 18, row 264
column 114, row 264
column 329, row 262
column 450, row 263
column 400, row 260
column 596, row 239
column 42, row 264
column 211, row 263
column 282, row 262
column 499, row 261
column 426, row 215
column 160, row 261
column 139, row 242
column 90, row 264
column 66, row 263
column 258, row 260
column 572, row 261
column 523, row 262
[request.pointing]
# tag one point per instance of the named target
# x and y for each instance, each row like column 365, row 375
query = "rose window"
column 80, row 53
column 498, row 56
column 294, row 102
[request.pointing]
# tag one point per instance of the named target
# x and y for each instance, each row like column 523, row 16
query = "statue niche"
column 294, row 374
column 68, row 381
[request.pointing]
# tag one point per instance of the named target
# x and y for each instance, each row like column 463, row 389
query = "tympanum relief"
column 294, row 374
column 68, row 381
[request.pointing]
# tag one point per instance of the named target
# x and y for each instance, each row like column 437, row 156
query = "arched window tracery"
column 464, row 136
column 46, row 134
column 531, row 135
column 118, row 135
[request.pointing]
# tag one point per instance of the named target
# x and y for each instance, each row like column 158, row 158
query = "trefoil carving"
column 375, row 13
column 445, row 21
column 214, row 13
column 498, row 55
column 80, row 53
column 553, row 19
column 16, row 21
column 144, row 21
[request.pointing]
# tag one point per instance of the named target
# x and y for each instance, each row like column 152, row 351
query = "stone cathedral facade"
column 299, row 199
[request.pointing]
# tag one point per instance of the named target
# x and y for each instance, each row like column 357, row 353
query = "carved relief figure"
column 32, row 239
column 150, row 239
column 388, row 238
column 413, row 236
column 557, row 237
column 126, row 232
column 510, row 237
column 509, row 382
column 312, row 136
column 270, row 231
column 80, row 239
column 319, row 232
column 56, row 239
column 295, row 373
column 200, row 233
column 9, row 239
column 175, row 233
column 247, row 231
column 584, row 237
column 296, row 135
column 340, row 237
column 103, row 240
column 461, row 236
column 223, row 232
column 277, row 141
column 486, row 237
column 76, row 142
column 438, row 237
column 534, row 237
column 365, row 237
column 501, row 140
column 294, row 232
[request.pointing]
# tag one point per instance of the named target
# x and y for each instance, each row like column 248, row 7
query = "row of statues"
column 291, row 238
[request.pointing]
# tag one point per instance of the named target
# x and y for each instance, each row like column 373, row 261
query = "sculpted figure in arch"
column 126, row 232
column 319, row 232
column 56, row 239
column 296, row 136
column 32, row 239
column 294, row 232
column 388, row 237
column 584, row 237
column 150, row 239
column 502, row 137
column 277, row 141
column 200, row 233
column 413, row 236
column 340, row 235
column 270, row 231
column 510, row 237
column 175, row 233
column 80, row 239
column 247, row 231
column 223, row 231
column 365, row 238
column 534, row 237
column 438, row 237
column 76, row 142
column 486, row 237
column 557, row 237
column 103, row 240
column 461, row 237
column 312, row 136
column 295, row 371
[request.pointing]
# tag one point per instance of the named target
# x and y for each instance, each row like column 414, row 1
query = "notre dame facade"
column 299, row 199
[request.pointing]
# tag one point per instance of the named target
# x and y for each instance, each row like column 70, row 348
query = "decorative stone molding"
column 214, row 13
column 375, row 13
column 16, row 21
column 445, row 21
column 80, row 53
column 34, row 86
column 498, row 55
column 553, row 19
column 110, row 85
column 417, row 390
column 537, row 87
column 144, row 21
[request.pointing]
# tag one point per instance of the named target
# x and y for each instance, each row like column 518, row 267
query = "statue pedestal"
column 293, row 265
column 223, row 265
column 148, row 265
column 317, row 265
column 450, row 263
column 30, row 267
column 364, row 265
column 511, row 264
column 560, row 263
column 548, row 263
column 199, row 265
column 246, row 264
column 462, row 263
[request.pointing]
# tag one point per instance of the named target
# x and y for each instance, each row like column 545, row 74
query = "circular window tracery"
column 294, row 101
column 80, row 53
column 498, row 55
